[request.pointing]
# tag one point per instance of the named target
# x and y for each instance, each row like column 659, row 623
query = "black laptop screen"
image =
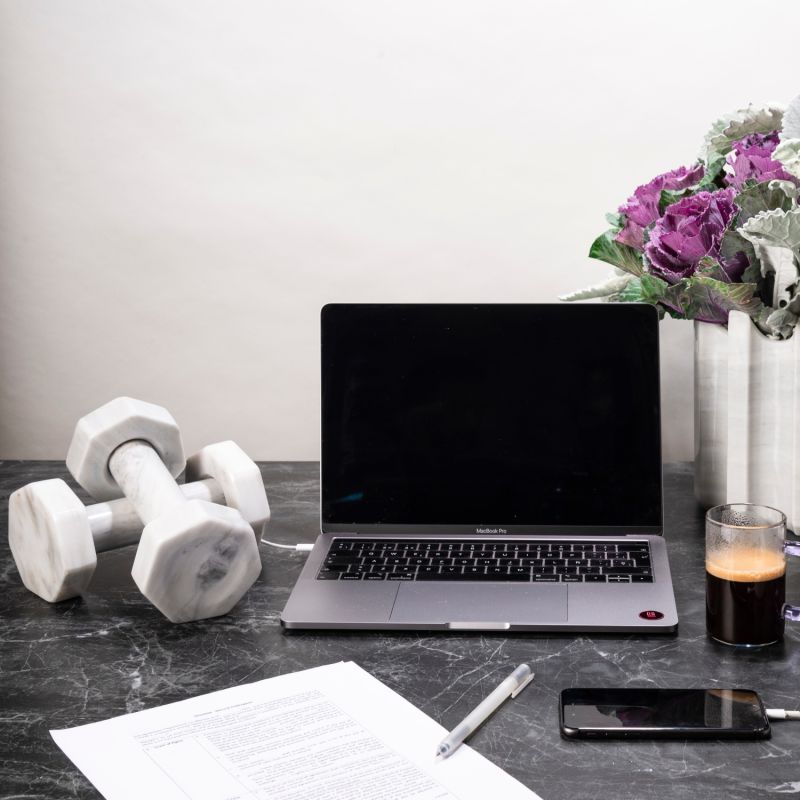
column 493, row 416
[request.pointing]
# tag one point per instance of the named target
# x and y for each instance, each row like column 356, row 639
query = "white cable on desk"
column 782, row 713
column 298, row 548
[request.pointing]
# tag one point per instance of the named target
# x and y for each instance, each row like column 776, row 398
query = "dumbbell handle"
column 145, row 480
column 117, row 524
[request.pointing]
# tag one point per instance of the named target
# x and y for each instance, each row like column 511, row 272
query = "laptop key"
column 374, row 576
column 350, row 576
column 641, row 578
column 547, row 578
column 328, row 575
column 627, row 571
column 400, row 576
column 572, row 578
column 594, row 578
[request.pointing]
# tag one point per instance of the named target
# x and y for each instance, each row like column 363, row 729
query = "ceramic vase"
column 747, row 417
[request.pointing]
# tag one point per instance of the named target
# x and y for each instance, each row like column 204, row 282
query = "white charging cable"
column 782, row 713
column 298, row 548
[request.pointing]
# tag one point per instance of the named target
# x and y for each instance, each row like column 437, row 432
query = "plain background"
column 183, row 184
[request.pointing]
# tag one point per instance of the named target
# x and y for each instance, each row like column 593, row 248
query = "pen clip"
column 522, row 685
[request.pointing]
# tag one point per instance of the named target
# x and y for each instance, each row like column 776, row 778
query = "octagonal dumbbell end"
column 196, row 561
column 239, row 477
column 101, row 432
column 51, row 540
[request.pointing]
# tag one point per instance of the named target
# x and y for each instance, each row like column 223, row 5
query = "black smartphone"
column 662, row 714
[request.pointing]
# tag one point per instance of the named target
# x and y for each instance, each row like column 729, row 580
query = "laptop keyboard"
column 540, row 562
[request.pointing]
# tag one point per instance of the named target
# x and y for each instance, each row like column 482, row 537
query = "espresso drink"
column 745, row 591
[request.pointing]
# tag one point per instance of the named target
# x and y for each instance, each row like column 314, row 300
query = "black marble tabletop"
column 110, row 652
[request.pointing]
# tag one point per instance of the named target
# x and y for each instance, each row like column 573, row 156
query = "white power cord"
column 782, row 713
column 298, row 548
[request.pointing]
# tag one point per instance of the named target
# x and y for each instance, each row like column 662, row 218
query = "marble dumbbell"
column 195, row 559
column 55, row 539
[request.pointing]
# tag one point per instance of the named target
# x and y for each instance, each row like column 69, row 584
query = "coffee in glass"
column 746, row 574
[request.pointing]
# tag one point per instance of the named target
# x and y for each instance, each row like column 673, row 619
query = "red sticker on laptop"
column 653, row 615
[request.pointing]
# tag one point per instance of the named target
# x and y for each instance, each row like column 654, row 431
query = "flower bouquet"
column 722, row 234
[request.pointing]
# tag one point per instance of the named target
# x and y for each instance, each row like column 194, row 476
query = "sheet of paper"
column 329, row 733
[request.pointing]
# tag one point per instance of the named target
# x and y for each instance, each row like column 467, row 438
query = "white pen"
column 510, row 687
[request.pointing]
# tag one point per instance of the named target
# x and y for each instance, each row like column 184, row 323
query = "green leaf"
column 776, row 323
column 620, row 255
column 776, row 228
column 711, row 180
column 710, row 299
column 616, row 221
column 732, row 243
column 711, row 268
column 726, row 130
column 766, row 196
column 609, row 288
column 788, row 153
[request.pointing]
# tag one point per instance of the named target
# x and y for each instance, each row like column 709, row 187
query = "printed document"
column 328, row 733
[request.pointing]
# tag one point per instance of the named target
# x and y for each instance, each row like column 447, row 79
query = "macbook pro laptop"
column 489, row 467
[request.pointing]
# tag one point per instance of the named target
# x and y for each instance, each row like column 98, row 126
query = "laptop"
column 489, row 468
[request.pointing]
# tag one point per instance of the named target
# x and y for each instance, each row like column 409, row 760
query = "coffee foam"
column 746, row 564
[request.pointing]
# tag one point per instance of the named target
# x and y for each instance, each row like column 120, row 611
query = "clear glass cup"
column 746, row 553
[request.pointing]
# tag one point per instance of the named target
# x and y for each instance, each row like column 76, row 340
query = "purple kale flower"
column 751, row 160
column 641, row 209
column 690, row 229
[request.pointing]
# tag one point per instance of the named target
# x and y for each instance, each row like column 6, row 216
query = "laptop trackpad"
column 513, row 603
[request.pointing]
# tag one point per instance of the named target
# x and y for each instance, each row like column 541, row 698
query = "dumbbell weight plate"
column 196, row 561
column 51, row 540
column 239, row 477
column 101, row 432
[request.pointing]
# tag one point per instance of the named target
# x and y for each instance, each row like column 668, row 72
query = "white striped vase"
column 747, row 417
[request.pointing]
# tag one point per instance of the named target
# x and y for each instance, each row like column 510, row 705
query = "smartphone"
column 662, row 714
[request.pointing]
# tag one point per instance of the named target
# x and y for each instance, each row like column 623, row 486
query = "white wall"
column 183, row 184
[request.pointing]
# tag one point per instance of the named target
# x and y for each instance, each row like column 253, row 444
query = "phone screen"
column 648, row 713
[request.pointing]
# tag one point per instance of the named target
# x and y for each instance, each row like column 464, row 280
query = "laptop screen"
column 490, row 418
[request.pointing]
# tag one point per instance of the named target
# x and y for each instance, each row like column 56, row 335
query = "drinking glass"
column 746, row 554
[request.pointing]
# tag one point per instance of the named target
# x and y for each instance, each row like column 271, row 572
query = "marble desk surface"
column 110, row 652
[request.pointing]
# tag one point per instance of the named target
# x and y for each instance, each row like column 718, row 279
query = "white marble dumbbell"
column 195, row 559
column 55, row 539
